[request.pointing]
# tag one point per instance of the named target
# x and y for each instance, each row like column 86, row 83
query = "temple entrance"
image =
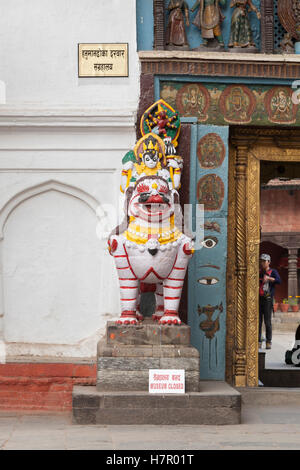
column 280, row 238
column 257, row 157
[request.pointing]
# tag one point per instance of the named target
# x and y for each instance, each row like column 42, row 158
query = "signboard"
column 103, row 60
column 166, row 381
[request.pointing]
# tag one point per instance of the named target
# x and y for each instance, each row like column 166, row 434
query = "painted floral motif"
column 193, row 100
column 211, row 151
column 279, row 106
column 210, row 192
column 237, row 104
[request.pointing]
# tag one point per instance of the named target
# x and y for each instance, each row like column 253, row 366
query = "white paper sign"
column 166, row 381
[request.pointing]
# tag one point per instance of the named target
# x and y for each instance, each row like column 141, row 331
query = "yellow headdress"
column 150, row 142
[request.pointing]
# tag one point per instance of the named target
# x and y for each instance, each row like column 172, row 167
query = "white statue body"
column 150, row 252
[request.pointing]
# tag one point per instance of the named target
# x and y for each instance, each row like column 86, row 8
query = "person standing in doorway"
column 268, row 278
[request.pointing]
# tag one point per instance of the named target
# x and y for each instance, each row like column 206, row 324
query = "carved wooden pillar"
column 292, row 275
column 241, row 266
column 267, row 26
column 159, row 26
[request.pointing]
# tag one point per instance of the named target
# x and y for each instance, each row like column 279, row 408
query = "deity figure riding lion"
column 150, row 250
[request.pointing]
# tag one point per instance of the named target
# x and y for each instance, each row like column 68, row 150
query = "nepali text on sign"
column 166, row 381
column 103, row 60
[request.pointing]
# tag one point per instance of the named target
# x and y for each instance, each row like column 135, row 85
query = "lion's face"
column 151, row 200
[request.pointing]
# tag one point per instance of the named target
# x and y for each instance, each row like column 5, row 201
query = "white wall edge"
column 66, row 117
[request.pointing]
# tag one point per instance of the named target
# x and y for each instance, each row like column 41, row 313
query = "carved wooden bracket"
column 267, row 26
column 159, row 27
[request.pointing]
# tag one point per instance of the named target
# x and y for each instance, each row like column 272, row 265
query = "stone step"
column 283, row 316
column 286, row 320
column 270, row 395
column 216, row 403
column 287, row 327
column 289, row 312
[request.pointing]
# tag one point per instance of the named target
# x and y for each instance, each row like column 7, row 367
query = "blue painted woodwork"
column 212, row 351
column 144, row 25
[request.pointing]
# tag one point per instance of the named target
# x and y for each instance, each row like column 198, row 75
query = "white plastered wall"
column 61, row 143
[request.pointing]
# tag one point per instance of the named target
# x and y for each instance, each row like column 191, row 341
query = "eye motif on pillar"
column 150, row 251
column 208, row 281
column 209, row 242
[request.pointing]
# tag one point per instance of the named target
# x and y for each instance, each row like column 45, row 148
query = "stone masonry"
column 121, row 395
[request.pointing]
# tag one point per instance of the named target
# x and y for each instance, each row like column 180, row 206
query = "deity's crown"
column 148, row 145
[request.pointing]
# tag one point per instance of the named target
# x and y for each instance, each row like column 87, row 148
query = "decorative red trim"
column 113, row 245
column 128, row 287
column 181, row 269
column 128, row 313
column 129, row 262
column 145, row 287
column 128, row 300
column 172, row 298
column 172, row 287
column 126, row 267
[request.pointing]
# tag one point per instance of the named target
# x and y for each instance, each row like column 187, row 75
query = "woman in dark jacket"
column 268, row 278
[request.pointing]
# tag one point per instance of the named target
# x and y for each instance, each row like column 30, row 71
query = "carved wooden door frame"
column 248, row 148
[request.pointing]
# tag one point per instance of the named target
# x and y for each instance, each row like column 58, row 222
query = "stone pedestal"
column 121, row 396
column 128, row 352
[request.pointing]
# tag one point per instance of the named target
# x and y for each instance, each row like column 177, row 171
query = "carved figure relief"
column 210, row 192
column 211, row 151
column 286, row 45
column 161, row 119
column 279, row 106
column 241, row 35
column 193, row 100
column 208, row 19
column 237, row 104
column 176, row 34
